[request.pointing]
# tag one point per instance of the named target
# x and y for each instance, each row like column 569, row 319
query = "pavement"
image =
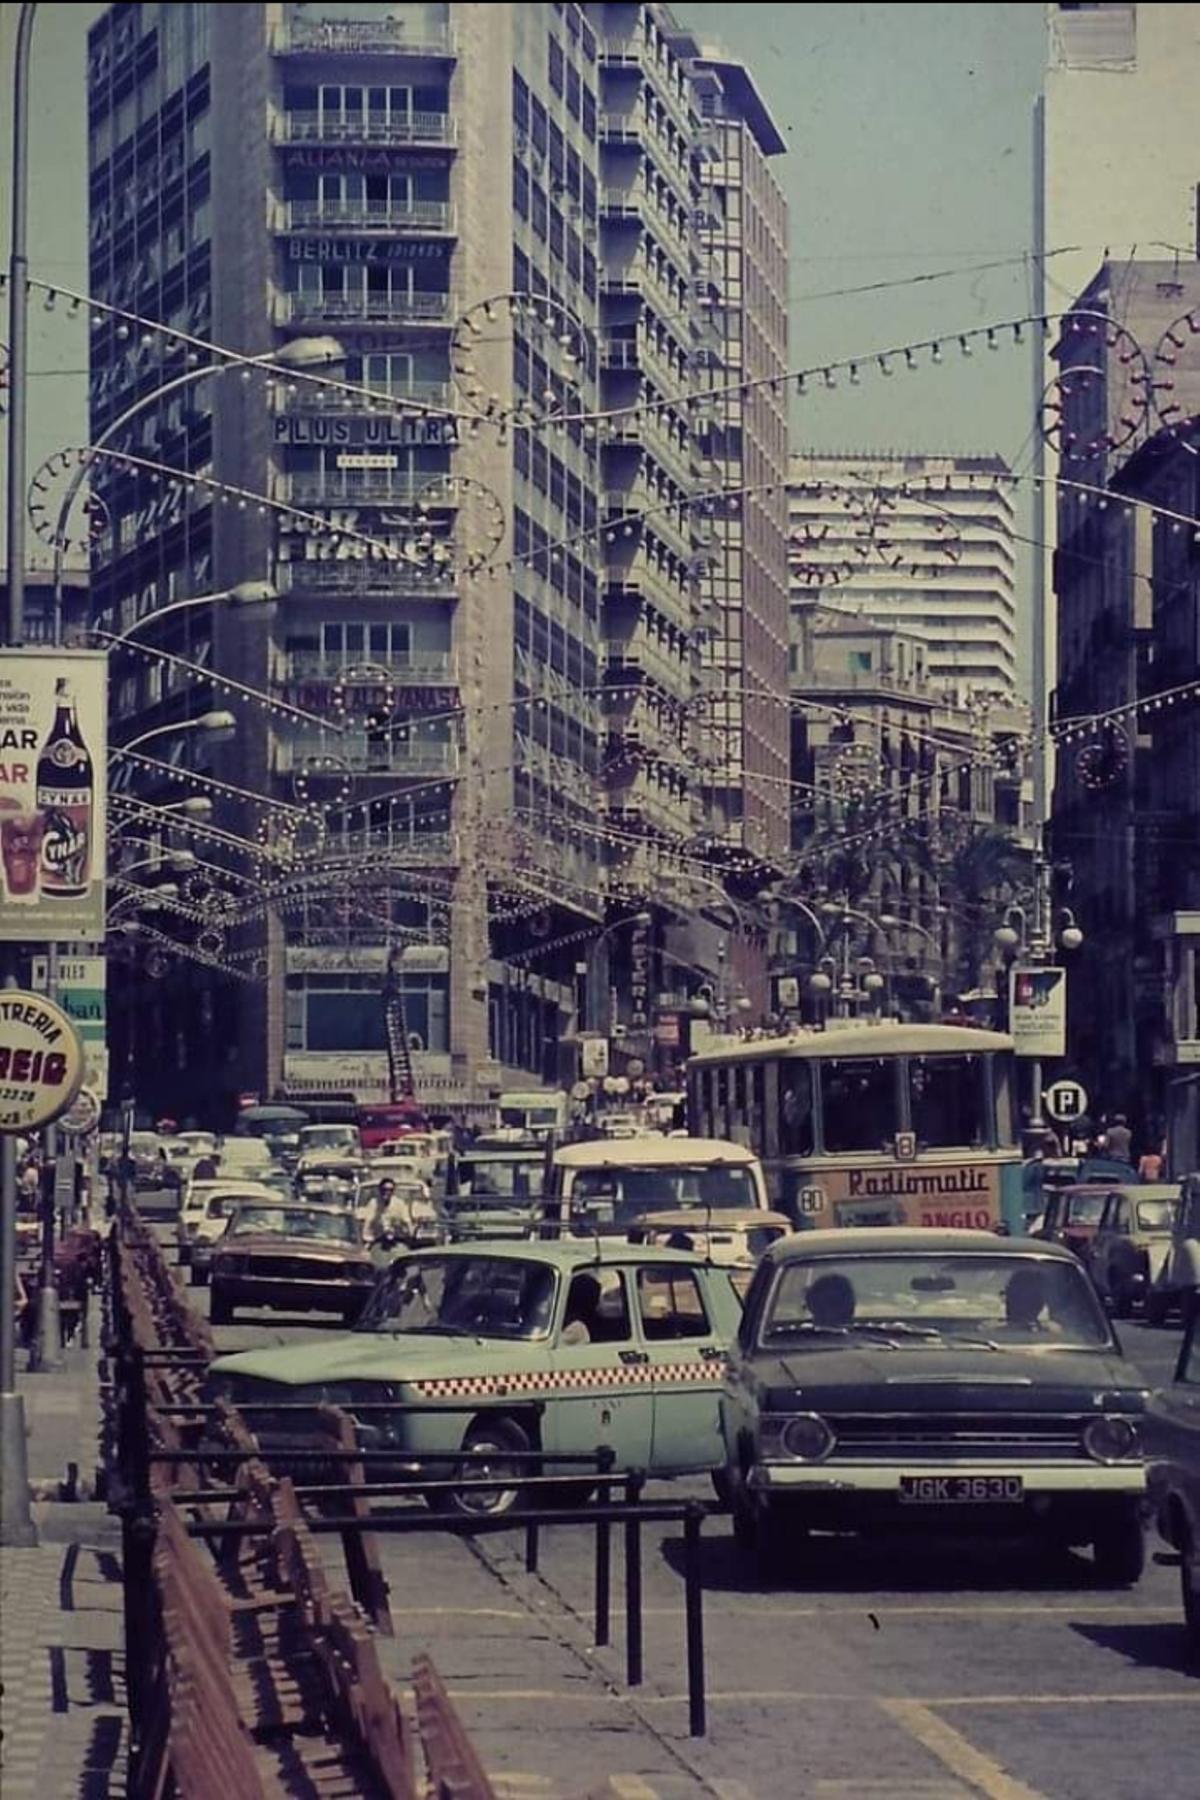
column 62, row 1702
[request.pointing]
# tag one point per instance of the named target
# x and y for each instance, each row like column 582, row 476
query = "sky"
column 908, row 172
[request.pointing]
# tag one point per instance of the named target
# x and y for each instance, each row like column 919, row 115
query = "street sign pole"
column 16, row 1521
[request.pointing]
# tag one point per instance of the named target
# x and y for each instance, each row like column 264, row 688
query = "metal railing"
column 385, row 487
column 357, row 573
column 362, row 37
column 414, row 669
column 363, row 214
column 357, row 755
column 367, row 308
column 312, row 398
column 417, row 127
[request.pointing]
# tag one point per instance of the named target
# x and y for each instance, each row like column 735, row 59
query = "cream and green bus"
column 871, row 1122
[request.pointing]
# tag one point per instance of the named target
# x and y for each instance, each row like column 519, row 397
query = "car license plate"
column 961, row 1490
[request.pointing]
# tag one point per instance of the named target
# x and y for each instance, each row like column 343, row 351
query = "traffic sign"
column 1066, row 1100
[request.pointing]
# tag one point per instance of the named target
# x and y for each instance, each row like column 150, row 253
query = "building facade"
column 1124, row 818
column 463, row 723
column 923, row 544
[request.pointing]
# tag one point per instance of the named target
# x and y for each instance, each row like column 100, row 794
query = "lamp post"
column 1035, row 937
column 591, row 1010
column 891, row 922
column 218, row 727
column 245, row 594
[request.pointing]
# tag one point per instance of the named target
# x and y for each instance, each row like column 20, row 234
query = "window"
column 795, row 1107
column 858, row 1102
column 671, row 1305
column 597, row 1310
column 948, row 1101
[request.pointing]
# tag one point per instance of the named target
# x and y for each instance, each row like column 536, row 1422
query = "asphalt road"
column 895, row 1669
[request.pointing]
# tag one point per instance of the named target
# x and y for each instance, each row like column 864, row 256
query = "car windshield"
column 935, row 1299
column 294, row 1222
column 516, row 1182
column 1155, row 1215
column 619, row 1196
column 1085, row 1209
column 464, row 1296
column 327, row 1137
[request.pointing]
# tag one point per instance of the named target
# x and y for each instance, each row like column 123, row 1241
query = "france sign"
column 41, row 1061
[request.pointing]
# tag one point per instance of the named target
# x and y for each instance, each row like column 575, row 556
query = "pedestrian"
column 1152, row 1165
column 205, row 1170
column 1118, row 1139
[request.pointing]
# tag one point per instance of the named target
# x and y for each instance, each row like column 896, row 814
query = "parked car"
column 1173, row 1433
column 296, row 1257
column 322, row 1141
column 1176, row 1288
column 550, row 1346
column 1072, row 1216
column 329, row 1175
column 419, row 1152
column 891, row 1377
column 148, row 1164
column 202, row 1214
column 1131, row 1243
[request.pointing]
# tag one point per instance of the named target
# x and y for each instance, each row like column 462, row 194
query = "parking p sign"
column 1065, row 1101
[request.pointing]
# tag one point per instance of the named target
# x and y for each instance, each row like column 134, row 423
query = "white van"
column 609, row 1185
column 535, row 1114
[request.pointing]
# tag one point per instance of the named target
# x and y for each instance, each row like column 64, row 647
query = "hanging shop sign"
column 639, row 977
column 1038, row 1010
column 41, row 1061
column 363, row 430
column 53, row 794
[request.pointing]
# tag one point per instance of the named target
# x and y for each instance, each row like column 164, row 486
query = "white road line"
column 783, row 1696
column 982, row 1773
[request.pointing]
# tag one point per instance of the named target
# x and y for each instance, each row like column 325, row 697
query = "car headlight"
column 805, row 1436
column 1111, row 1439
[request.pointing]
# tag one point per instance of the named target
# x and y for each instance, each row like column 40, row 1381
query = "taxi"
column 508, row 1348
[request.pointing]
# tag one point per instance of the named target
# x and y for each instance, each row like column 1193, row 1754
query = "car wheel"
column 500, row 1439
column 219, row 1310
column 1189, row 1584
column 1119, row 1550
column 1156, row 1308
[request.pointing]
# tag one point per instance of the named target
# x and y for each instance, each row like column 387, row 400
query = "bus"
column 871, row 1122
column 608, row 1185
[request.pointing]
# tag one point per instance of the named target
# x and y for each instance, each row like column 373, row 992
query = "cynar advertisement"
column 53, row 792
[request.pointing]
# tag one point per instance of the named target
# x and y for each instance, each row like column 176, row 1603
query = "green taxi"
column 555, row 1347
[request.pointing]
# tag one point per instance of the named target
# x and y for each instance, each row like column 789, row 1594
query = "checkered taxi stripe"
column 550, row 1381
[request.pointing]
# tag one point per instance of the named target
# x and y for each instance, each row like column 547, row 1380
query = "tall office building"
column 920, row 543
column 481, row 662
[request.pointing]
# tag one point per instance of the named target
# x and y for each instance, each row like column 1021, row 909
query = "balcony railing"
column 309, row 397
column 352, row 571
column 364, row 214
column 380, row 487
column 365, row 128
column 364, row 308
column 430, row 668
column 361, row 37
column 402, row 847
column 333, row 754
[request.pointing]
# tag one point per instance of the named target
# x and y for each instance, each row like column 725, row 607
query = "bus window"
column 948, row 1100
column 858, row 1102
column 721, row 1109
column 795, row 1106
column 738, row 1120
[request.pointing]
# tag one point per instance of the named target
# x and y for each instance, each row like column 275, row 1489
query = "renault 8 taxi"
column 556, row 1347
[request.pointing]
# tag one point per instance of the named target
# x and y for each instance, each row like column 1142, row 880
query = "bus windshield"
column 621, row 1196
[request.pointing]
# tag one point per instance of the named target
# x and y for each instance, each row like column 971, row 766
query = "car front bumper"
column 285, row 1292
column 883, row 1479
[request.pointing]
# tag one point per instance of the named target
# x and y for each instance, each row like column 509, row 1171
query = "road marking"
column 629, row 1787
column 781, row 1696
column 981, row 1772
column 1183, row 1699
column 1165, row 1614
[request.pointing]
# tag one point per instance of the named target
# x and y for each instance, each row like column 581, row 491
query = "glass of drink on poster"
column 21, row 850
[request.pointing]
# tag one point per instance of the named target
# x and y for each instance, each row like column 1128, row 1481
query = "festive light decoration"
column 1178, row 346
column 554, row 339
column 1114, row 388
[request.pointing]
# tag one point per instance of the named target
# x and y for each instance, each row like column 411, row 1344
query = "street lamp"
column 1036, row 939
column 635, row 920
column 217, row 726
column 245, row 594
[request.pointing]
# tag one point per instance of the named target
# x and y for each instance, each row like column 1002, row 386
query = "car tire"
column 501, row 1437
column 220, row 1312
column 1119, row 1550
column 1156, row 1308
column 1189, row 1589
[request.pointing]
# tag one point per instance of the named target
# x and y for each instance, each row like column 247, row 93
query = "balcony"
column 362, row 308
column 361, row 37
column 311, row 397
column 424, row 128
column 368, row 487
column 332, row 755
column 397, row 848
column 352, row 570
column 422, row 217
column 433, row 669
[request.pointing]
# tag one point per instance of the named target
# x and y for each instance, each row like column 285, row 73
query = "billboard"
column 53, row 794
column 1037, row 1010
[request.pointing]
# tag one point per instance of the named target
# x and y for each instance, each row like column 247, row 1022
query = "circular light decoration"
column 1178, row 348
column 62, row 508
column 211, row 941
column 1103, row 764
column 554, row 339
column 1106, row 400
column 156, row 964
column 322, row 768
column 807, row 564
column 454, row 492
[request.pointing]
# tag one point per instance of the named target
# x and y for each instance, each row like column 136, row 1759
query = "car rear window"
column 1155, row 1215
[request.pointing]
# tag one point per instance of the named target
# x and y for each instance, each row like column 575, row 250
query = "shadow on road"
column 898, row 1563
column 1148, row 1646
